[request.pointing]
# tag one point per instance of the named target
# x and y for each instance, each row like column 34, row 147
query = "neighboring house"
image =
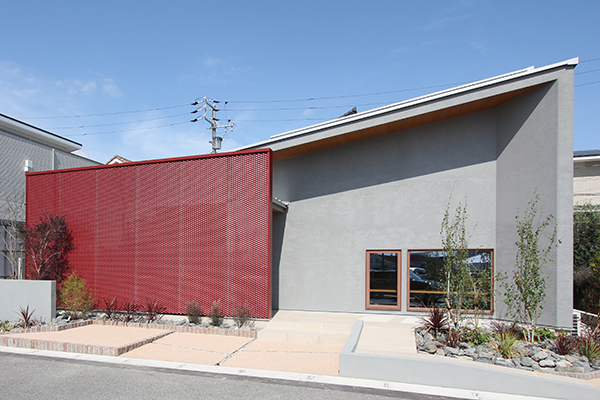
column 25, row 148
column 117, row 160
column 586, row 177
column 362, row 199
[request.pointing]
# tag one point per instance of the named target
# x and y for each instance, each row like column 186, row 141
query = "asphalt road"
column 34, row 377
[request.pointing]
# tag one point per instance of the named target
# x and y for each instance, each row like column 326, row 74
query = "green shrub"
column 5, row 326
column 75, row 297
column 476, row 337
column 589, row 348
column 507, row 345
column 193, row 311
column 542, row 334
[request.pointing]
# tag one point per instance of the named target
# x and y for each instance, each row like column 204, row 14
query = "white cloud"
column 75, row 86
column 212, row 61
column 110, row 88
column 441, row 23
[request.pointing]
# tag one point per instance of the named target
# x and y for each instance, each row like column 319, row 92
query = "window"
column 431, row 284
column 383, row 279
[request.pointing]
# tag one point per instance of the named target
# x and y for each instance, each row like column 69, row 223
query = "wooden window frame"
column 368, row 305
column 486, row 312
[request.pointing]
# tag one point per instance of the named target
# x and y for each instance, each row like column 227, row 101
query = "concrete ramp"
column 358, row 360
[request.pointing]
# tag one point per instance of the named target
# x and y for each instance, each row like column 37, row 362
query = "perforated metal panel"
column 168, row 230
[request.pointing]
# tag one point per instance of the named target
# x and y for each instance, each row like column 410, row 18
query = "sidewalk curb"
column 273, row 375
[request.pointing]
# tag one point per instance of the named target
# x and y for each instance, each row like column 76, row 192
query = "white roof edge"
column 31, row 132
column 414, row 101
column 586, row 159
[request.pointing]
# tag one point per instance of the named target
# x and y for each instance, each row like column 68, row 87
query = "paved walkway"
column 292, row 342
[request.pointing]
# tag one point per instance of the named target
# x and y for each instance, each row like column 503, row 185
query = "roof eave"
column 437, row 96
column 36, row 134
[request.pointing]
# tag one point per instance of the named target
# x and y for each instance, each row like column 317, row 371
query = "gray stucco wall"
column 390, row 193
column 385, row 193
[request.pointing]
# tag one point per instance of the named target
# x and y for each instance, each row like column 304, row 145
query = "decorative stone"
column 540, row 355
column 527, row 362
column 439, row 352
column 563, row 364
column 450, row 351
column 464, row 345
column 547, row 363
column 504, row 362
column 430, row 348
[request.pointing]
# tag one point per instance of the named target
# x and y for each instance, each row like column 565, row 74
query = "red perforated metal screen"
column 169, row 230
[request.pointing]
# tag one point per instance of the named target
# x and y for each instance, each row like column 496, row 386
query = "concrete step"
column 309, row 327
column 304, row 336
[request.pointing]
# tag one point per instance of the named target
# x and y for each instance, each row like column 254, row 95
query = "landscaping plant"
column 193, row 311
column 47, row 246
column 455, row 244
column 12, row 214
column 5, row 326
column 26, row 319
column 524, row 288
column 435, row 320
column 75, row 297
column 565, row 343
column 542, row 334
column 129, row 311
column 507, row 344
column 242, row 315
column 153, row 310
column 589, row 348
column 111, row 307
column 476, row 337
column 215, row 315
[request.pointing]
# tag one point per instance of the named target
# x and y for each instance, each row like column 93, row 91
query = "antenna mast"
column 210, row 105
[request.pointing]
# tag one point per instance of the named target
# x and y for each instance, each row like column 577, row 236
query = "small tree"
column 455, row 243
column 11, row 217
column 47, row 247
column 525, row 287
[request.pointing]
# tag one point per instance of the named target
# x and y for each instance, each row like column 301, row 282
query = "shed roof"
column 445, row 104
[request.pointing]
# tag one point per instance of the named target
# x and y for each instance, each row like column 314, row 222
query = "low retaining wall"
column 437, row 371
column 18, row 293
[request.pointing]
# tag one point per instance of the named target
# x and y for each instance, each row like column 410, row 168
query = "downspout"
column 53, row 157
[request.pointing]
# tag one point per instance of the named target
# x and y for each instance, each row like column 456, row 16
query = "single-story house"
column 340, row 216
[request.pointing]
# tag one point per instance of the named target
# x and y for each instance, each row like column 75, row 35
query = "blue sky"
column 63, row 63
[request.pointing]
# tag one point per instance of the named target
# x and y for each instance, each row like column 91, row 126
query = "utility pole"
column 209, row 105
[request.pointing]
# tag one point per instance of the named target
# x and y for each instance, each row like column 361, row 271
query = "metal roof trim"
column 23, row 129
column 410, row 102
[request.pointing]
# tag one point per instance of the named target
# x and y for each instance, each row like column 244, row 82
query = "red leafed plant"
column 47, row 247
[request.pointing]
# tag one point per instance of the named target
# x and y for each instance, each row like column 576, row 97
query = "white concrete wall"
column 38, row 295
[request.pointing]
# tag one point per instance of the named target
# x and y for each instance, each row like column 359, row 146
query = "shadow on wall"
column 279, row 220
column 441, row 146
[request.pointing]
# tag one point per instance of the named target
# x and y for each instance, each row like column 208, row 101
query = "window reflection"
column 432, row 284
column 383, row 279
